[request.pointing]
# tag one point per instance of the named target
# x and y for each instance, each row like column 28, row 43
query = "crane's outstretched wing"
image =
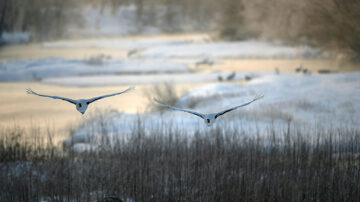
column 104, row 96
column 233, row 108
column 178, row 109
column 29, row 91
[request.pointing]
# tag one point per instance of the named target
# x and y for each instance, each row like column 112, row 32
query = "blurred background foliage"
column 331, row 24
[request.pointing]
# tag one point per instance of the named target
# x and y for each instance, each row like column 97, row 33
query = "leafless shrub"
column 334, row 24
column 97, row 60
column 274, row 113
column 304, row 104
column 195, row 101
column 18, row 144
column 231, row 20
column 164, row 92
column 97, row 121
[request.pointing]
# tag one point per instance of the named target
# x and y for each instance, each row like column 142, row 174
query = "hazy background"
column 301, row 142
column 329, row 24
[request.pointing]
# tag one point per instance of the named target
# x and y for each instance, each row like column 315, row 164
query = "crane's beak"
column 82, row 113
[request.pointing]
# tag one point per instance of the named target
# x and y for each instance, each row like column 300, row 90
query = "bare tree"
column 231, row 19
column 335, row 24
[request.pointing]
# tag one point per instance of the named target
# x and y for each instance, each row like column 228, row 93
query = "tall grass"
column 221, row 165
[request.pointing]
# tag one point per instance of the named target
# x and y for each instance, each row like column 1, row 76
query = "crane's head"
column 81, row 106
column 209, row 120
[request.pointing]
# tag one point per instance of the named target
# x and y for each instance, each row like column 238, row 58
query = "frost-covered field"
column 242, row 49
column 144, row 56
column 38, row 69
column 300, row 100
column 188, row 48
column 305, row 101
column 116, row 43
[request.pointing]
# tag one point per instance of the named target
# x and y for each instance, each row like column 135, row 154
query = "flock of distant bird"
column 82, row 105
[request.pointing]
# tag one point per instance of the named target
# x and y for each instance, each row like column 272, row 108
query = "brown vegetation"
column 222, row 165
column 165, row 92
column 335, row 24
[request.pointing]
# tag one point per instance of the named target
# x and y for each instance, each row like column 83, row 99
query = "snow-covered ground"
column 14, row 37
column 186, row 48
column 115, row 43
column 145, row 56
column 182, row 77
column 240, row 49
column 38, row 69
column 306, row 101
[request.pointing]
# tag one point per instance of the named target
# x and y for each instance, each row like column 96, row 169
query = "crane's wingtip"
column 260, row 96
column 29, row 91
column 257, row 97
column 131, row 88
column 159, row 102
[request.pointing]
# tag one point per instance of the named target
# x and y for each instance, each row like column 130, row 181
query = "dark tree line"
column 331, row 24
column 45, row 19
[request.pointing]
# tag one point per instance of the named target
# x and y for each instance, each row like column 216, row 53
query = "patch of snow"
column 38, row 69
column 121, row 127
column 142, row 79
column 14, row 37
column 78, row 138
column 114, row 43
column 82, row 147
column 241, row 49
column 131, row 79
column 184, row 48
